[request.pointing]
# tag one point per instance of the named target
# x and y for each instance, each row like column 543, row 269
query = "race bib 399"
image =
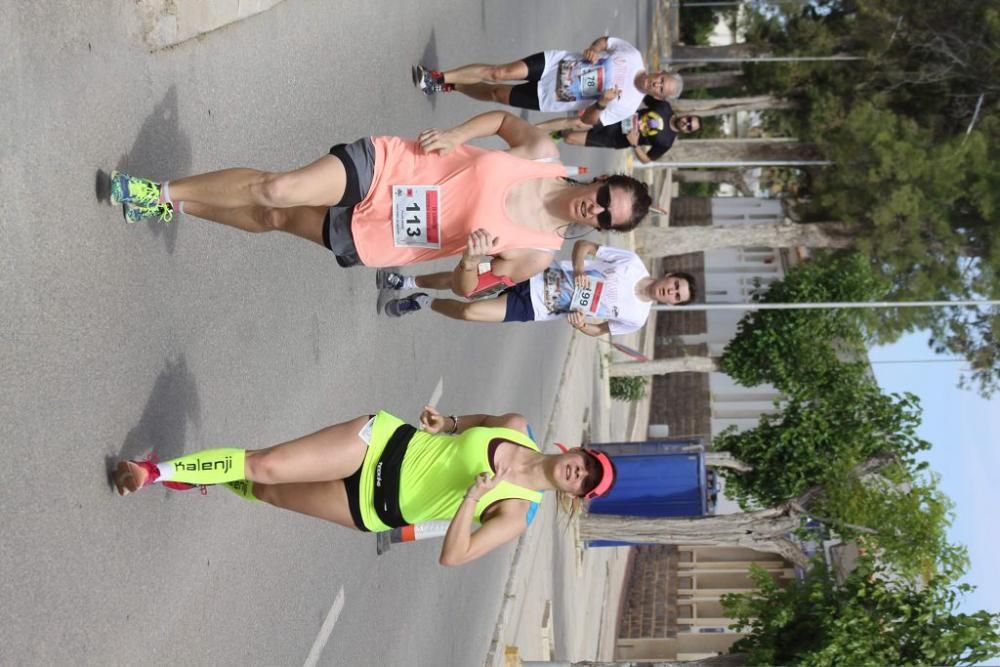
column 587, row 299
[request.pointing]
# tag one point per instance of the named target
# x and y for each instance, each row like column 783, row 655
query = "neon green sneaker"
column 134, row 213
column 127, row 189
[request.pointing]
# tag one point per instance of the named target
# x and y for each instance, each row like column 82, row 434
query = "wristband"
column 599, row 105
column 454, row 429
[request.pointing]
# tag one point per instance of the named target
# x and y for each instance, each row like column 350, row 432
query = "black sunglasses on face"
column 604, row 201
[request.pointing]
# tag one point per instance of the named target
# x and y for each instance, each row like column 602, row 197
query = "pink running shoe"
column 133, row 475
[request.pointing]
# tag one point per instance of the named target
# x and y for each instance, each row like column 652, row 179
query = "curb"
column 167, row 23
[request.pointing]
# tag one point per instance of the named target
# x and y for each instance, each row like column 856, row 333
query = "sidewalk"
column 561, row 601
column 167, row 23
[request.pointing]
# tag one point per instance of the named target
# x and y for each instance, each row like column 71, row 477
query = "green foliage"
column 923, row 191
column 872, row 618
column 628, row 388
column 818, row 439
column 926, row 207
column 911, row 515
column 832, row 419
column 929, row 59
column 798, row 350
column 697, row 24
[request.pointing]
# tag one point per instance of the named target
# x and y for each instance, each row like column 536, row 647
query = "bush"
column 628, row 388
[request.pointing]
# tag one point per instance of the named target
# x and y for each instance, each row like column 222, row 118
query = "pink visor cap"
column 608, row 472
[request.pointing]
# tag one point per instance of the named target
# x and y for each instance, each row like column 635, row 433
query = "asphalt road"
column 117, row 340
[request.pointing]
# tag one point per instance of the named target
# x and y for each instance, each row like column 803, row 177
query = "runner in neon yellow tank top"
column 377, row 473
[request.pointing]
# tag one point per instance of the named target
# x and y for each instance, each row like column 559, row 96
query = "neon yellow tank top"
column 437, row 471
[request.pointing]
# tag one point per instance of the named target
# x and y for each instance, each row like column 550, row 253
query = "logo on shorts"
column 378, row 475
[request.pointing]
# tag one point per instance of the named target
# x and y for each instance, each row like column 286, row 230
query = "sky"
column 964, row 430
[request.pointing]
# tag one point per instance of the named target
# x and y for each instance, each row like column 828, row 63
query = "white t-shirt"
column 570, row 82
column 613, row 274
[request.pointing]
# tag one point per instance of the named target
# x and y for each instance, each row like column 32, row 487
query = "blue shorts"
column 519, row 308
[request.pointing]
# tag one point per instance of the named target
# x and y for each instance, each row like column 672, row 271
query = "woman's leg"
column 323, row 500
column 303, row 221
column 332, row 453
column 471, row 74
column 321, row 183
column 488, row 310
column 486, row 92
column 440, row 281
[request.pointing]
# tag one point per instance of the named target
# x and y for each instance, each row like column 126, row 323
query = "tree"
column 813, row 458
column 927, row 208
column 664, row 241
column 905, row 521
column 770, row 530
column 796, row 350
column 839, row 453
column 719, row 79
column 816, row 439
column 872, row 618
column 709, row 53
column 913, row 134
column 740, row 150
column 664, row 366
column 717, row 106
column 762, row 530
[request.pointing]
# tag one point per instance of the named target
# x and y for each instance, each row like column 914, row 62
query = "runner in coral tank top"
column 383, row 201
column 469, row 187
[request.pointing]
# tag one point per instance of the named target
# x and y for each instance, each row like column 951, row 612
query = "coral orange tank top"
column 470, row 187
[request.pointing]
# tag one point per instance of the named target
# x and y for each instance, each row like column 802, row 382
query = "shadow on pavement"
column 429, row 59
column 161, row 151
column 102, row 186
column 163, row 425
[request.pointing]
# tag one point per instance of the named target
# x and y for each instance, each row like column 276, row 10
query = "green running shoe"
column 134, row 213
column 127, row 189
column 555, row 135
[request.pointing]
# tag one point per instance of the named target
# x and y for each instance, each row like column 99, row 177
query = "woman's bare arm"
column 461, row 545
column 525, row 140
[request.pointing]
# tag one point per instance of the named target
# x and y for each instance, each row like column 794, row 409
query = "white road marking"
column 324, row 632
column 438, row 391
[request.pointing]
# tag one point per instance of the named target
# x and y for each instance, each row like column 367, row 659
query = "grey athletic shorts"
column 359, row 163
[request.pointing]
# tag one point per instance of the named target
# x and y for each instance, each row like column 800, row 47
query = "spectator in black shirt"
column 650, row 132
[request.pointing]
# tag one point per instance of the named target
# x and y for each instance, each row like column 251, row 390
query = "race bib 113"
column 416, row 218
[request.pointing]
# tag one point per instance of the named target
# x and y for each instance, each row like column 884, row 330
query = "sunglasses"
column 604, row 201
column 686, row 123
